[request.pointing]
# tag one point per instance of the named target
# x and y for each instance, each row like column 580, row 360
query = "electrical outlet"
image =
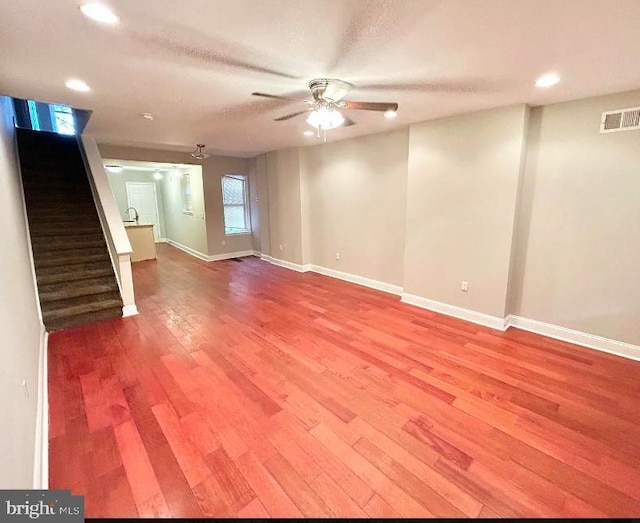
column 223, row 242
column 337, row 255
column 25, row 389
column 281, row 248
column 465, row 286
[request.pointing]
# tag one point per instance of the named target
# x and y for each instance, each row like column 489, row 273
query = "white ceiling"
column 194, row 63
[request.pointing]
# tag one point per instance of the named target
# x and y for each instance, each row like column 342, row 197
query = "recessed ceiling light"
column 147, row 116
column 308, row 133
column 115, row 169
column 77, row 85
column 547, row 80
column 390, row 114
column 99, row 13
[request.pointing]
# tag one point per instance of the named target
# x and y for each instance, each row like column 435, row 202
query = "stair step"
column 59, row 309
column 47, row 275
column 64, row 259
column 60, row 230
column 83, row 319
column 73, row 289
column 43, row 245
column 63, row 220
column 42, row 214
column 60, row 198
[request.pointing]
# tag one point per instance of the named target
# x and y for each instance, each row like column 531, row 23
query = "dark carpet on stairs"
column 76, row 281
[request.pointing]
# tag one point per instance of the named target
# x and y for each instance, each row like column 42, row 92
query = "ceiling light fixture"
column 199, row 154
column 77, row 85
column 325, row 117
column 99, row 12
column 390, row 114
column 147, row 116
column 547, row 80
column 115, row 169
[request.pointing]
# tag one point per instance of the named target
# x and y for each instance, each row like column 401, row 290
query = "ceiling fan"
column 326, row 102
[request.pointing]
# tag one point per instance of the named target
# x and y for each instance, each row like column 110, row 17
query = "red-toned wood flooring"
column 245, row 389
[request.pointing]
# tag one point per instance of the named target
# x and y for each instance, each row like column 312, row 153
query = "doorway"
column 142, row 197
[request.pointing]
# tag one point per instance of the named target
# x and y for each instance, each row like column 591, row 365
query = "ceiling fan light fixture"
column 325, row 118
column 390, row 114
column 199, row 154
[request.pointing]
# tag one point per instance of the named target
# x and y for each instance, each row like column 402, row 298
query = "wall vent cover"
column 620, row 120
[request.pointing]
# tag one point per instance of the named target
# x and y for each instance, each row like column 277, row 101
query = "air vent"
column 620, row 120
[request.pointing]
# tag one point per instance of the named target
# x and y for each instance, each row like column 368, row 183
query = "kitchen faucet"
column 134, row 210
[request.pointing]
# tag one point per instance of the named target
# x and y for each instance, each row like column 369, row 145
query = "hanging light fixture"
column 199, row 154
column 325, row 117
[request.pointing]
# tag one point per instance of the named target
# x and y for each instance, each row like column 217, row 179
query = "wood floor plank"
column 268, row 490
column 245, row 389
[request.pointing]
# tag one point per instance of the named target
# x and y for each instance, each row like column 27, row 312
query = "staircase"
column 76, row 282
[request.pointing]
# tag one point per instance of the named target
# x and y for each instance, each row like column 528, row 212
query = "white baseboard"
column 345, row 276
column 229, row 255
column 494, row 322
column 129, row 310
column 286, row 264
column 618, row 348
column 41, row 450
column 358, row 280
column 188, row 250
column 162, row 240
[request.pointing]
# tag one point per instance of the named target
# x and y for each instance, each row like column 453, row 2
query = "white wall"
column 285, row 210
column 462, row 189
column 578, row 247
column 184, row 228
column 354, row 195
column 20, row 326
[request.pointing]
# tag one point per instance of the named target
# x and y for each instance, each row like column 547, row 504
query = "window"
column 33, row 115
column 234, row 198
column 187, row 196
column 62, row 119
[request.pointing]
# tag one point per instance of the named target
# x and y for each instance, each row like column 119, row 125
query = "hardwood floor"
column 245, row 389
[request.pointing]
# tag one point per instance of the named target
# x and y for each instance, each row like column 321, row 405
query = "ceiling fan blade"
column 371, row 106
column 202, row 48
column 292, row 115
column 438, row 85
column 277, row 97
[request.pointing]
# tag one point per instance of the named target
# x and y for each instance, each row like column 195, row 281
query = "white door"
column 142, row 197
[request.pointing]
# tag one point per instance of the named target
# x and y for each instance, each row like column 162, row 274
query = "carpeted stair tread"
column 52, row 210
column 68, row 260
column 64, row 220
column 55, row 275
column 58, row 309
column 43, row 244
column 84, row 319
column 57, row 229
column 73, row 289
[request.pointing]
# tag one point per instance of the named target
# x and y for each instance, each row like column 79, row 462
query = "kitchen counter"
column 142, row 241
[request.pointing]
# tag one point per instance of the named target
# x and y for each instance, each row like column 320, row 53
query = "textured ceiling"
column 194, row 63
